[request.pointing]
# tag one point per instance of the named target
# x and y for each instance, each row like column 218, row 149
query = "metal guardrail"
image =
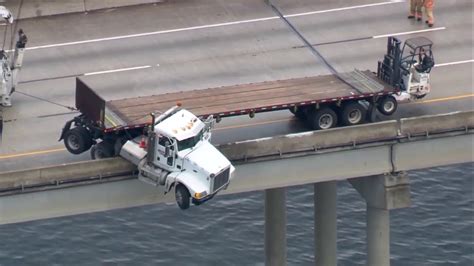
column 292, row 145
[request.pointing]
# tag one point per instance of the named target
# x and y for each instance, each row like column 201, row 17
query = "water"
column 437, row 230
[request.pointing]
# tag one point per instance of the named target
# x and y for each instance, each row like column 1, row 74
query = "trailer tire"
column 387, row 105
column 102, row 150
column 352, row 114
column 183, row 198
column 77, row 140
column 324, row 118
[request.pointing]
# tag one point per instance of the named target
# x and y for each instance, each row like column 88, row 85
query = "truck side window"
column 163, row 141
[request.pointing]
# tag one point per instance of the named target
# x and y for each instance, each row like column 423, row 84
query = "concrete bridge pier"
column 275, row 227
column 382, row 193
column 325, row 223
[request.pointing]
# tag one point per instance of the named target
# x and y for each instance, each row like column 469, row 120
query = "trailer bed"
column 246, row 98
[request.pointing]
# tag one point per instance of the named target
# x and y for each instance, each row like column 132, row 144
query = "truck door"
column 167, row 161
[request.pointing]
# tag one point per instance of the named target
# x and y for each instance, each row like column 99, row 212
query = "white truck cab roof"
column 181, row 125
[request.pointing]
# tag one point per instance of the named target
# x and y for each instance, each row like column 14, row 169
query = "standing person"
column 22, row 39
column 416, row 9
column 429, row 5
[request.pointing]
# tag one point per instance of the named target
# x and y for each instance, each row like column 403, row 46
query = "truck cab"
column 177, row 153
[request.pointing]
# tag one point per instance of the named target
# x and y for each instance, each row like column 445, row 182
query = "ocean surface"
column 437, row 230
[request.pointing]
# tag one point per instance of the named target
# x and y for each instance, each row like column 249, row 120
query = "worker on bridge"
column 429, row 5
column 22, row 39
column 416, row 9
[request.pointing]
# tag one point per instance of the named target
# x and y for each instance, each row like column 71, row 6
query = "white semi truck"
column 177, row 152
column 172, row 149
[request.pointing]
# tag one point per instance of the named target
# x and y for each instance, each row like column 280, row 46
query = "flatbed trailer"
column 249, row 98
column 321, row 100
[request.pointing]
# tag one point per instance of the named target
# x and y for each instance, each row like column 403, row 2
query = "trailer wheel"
column 182, row 197
column 77, row 140
column 102, row 150
column 352, row 114
column 387, row 105
column 323, row 118
column 299, row 112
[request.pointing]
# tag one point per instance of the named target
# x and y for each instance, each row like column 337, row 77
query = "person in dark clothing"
column 425, row 62
column 22, row 39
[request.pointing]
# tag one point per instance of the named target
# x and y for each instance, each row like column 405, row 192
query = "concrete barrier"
column 436, row 123
column 310, row 140
column 38, row 8
column 63, row 172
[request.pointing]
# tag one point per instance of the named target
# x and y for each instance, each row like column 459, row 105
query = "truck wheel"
column 323, row 118
column 77, row 140
column 102, row 150
column 299, row 112
column 182, row 197
column 387, row 105
column 352, row 114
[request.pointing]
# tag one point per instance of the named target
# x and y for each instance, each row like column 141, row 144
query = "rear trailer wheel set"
column 345, row 114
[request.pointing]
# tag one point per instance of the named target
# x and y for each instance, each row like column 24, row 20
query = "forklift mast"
column 389, row 69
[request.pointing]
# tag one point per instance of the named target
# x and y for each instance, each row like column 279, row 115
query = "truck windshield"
column 190, row 142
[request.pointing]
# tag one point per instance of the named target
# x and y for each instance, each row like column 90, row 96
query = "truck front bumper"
column 202, row 200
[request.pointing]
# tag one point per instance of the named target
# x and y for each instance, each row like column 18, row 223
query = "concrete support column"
column 275, row 226
column 325, row 223
column 378, row 237
column 382, row 193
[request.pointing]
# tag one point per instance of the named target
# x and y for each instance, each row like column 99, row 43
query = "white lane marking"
column 143, row 67
column 150, row 33
column 201, row 27
column 115, row 70
column 407, row 32
column 455, row 63
column 337, row 9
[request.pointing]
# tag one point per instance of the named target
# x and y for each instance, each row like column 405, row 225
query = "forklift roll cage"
column 412, row 49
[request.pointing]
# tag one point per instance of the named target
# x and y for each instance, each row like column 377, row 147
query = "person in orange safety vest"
column 415, row 9
column 429, row 5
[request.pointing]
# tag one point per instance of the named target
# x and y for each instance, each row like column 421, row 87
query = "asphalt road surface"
column 186, row 45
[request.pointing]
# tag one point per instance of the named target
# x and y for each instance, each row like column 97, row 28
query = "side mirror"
column 210, row 122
